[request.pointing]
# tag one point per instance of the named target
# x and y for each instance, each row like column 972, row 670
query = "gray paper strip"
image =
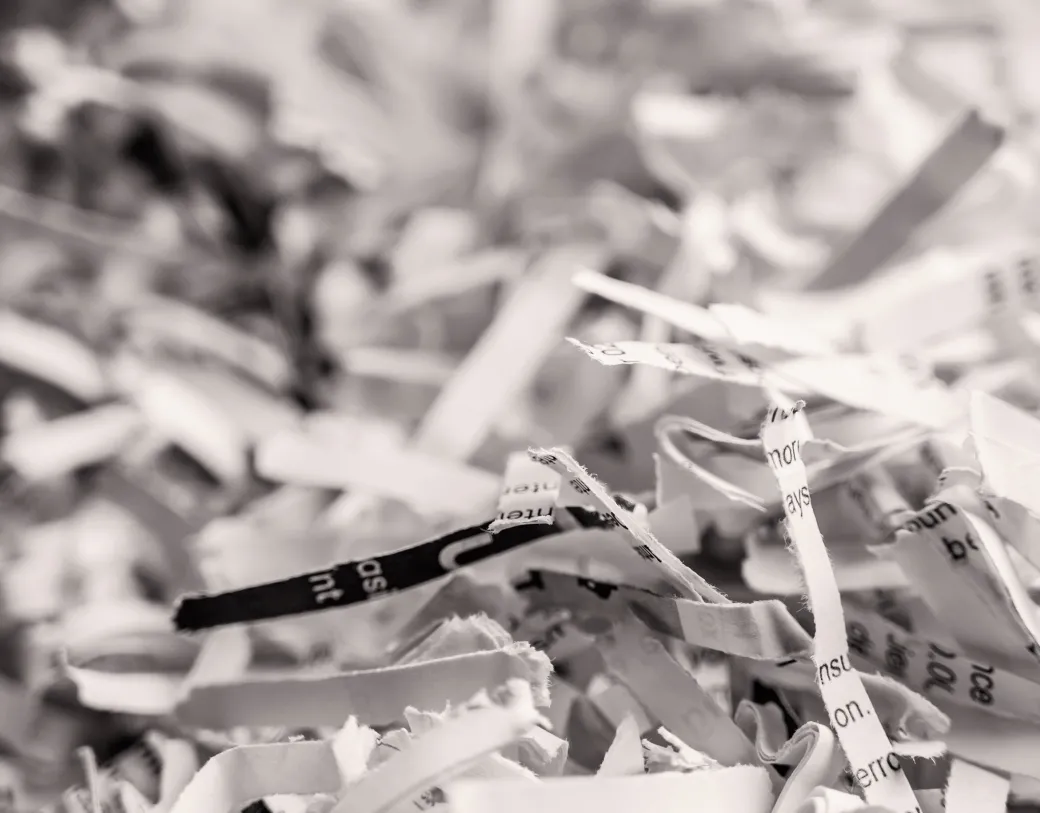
column 966, row 148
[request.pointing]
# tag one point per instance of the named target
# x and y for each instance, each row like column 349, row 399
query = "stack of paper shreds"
column 645, row 421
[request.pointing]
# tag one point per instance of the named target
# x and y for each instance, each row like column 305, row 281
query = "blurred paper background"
column 225, row 219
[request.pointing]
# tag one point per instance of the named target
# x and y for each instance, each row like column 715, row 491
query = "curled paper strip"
column 529, row 494
column 445, row 751
column 163, row 321
column 937, row 671
column 761, row 630
column 238, row 776
column 673, row 696
column 962, row 553
column 67, row 444
column 684, row 579
column 812, row 750
column 44, row 352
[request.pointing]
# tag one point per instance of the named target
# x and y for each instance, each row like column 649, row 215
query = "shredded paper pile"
column 519, row 406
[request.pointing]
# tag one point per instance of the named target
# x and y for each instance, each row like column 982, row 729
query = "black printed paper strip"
column 353, row 582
